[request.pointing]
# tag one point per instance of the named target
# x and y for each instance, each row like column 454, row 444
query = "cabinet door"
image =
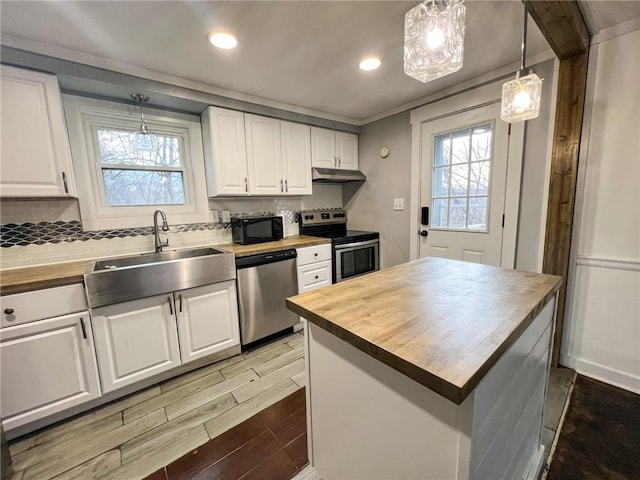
column 264, row 156
column 135, row 340
column 36, row 160
column 225, row 152
column 323, row 148
column 347, row 150
column 207, row 319
column 47, row 367
column 296, row 158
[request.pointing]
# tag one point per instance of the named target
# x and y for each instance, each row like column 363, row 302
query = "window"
column 141, row 169
column 461, row 179
column 123, row 175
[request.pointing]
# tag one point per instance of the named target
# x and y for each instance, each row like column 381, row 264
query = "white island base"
column 366, row 420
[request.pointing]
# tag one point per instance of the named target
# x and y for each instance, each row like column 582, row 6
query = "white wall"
column 601, row 337
column 370, row 205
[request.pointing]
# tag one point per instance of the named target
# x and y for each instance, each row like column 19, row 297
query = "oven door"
column 354, row 259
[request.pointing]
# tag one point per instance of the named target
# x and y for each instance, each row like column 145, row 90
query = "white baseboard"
column 600, row 372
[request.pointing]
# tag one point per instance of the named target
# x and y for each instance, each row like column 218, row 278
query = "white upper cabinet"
column 332, row 149
column 323, row 148
column 264, row 155
column 225, row 152
column 36, row 160
column 296, row 158
column 347, row 150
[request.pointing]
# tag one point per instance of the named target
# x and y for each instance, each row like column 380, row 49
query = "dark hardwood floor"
column 270, row 445
column 600, row 438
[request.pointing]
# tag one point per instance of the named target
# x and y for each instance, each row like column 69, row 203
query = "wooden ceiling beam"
column 563, row 26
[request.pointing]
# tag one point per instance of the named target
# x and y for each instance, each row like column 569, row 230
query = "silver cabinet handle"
column 84, row 331
column 246, row 184
column 286, row 186
column 335, row 160
column 180, row 303
column 339, row 161
column 170, row 306
column 281, row 186
column 64, row 181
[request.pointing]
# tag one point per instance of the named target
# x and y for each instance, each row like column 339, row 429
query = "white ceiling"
column 299, row 53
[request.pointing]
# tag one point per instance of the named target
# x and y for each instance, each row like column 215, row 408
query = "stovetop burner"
column 332, row 223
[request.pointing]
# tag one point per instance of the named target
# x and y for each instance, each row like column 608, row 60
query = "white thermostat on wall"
column 384, row 152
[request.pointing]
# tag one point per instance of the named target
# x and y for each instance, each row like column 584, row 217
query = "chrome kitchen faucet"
column 165, row 228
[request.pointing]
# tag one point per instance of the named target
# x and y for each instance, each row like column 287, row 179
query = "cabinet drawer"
column 314, row 276
column 317, row 253
column 41, row 304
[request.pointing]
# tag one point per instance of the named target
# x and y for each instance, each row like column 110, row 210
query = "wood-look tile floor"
column 133, row 437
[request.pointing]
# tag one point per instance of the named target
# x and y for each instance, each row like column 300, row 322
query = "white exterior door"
column 323, row 148
column 296, row 158
column 464, row 175
column 135, row 340
column 47, row 366
column 207, row 319
column 225, row 152
column 36, row 160
column 264, row 156
column 347, row 150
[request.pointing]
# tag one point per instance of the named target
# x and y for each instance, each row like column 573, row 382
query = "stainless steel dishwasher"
column 264, row 281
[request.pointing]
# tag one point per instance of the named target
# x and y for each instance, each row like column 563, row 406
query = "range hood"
column 333, row 175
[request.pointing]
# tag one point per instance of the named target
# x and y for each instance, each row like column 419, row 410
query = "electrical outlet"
column 226, row 216
column 215, row 216
column 398, row 203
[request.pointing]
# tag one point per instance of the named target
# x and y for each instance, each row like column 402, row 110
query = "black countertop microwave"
column 246, row 230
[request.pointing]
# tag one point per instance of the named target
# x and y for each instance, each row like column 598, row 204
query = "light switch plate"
column 398, row 203
column 226, row 216
column 215, row 216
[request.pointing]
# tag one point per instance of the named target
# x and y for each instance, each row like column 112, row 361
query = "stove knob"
column 310, row 217
column 306, row 217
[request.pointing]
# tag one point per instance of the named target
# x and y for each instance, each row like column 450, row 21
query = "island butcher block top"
column 443, row 323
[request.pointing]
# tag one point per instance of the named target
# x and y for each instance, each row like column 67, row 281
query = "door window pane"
column 461, row 179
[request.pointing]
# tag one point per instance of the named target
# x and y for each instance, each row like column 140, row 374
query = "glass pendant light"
column 143, row 139
column 434, row 39
column 521, row 97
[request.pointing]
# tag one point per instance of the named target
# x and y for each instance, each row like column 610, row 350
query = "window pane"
column 458, row 213
column 441, row 182
column 479, row 179
column 143, row 187
column 442, row 151
column 460, row 146
column 440, row 213
column 481, row 143
column 131, row 148
column 459, row 180
column 477, row 214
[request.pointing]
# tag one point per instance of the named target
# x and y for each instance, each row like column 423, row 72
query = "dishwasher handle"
column 265, row 258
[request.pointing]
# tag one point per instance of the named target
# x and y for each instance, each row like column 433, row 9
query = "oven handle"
column 357, row 244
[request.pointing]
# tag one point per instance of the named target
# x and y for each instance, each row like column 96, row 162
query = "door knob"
column 424, row 233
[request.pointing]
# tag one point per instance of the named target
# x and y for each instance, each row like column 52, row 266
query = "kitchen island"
column 434, row 369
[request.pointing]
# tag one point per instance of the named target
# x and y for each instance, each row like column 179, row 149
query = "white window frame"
column 85, row 116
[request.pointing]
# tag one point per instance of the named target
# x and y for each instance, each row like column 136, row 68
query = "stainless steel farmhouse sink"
column 117, row 280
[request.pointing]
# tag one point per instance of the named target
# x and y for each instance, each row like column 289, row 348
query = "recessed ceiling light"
column 222, row 40
column 370, row 63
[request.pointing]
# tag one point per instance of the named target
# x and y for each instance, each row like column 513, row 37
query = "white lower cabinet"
column 314, row 268
column 138, row 339
column 135, row 340
column 207, row 320
column 47, row 366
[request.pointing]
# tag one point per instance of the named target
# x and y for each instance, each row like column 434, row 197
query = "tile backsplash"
column 36, row 232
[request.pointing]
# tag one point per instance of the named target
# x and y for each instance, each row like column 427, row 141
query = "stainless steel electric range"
column 354, row 253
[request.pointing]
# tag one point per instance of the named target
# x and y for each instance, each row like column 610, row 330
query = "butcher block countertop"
column 43, row 276
column 19, row 280
column 443, row 323
column 297, row 241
